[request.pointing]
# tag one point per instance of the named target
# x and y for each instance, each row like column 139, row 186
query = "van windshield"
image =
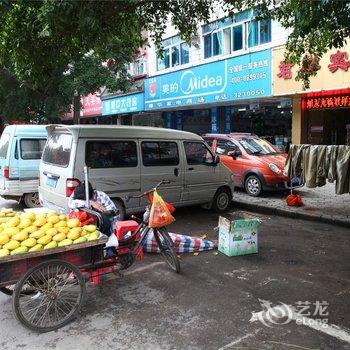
column 4, row 144
column 57, row 149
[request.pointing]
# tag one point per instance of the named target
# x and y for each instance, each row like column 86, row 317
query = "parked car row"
column 125, row 160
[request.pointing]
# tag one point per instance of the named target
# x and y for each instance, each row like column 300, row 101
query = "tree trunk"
column 76, row 108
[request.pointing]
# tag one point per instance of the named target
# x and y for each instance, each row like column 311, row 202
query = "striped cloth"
column 182, row 244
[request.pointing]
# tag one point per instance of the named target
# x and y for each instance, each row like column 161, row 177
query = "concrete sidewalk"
column 320, row 204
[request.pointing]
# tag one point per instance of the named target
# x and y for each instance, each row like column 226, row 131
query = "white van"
column 126, row 160
column 21, row 147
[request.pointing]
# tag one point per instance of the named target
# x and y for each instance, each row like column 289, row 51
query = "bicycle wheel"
column 165, row 244
column 59, row 291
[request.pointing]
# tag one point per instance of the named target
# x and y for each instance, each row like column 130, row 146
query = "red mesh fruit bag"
column 84, row 217
column 160, row 215
column 294, row 200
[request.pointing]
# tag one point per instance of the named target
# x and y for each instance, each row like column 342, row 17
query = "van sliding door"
column 114, row 168
column 161, row 160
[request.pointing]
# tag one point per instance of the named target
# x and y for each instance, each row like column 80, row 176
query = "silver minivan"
column 126, row 160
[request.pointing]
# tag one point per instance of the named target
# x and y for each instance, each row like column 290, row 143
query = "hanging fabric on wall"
column 315, row 164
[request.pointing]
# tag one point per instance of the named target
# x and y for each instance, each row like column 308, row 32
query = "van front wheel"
column 221, row 200
column 31, row 200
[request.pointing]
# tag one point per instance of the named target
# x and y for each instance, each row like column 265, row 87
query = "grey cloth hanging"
column 315, row 164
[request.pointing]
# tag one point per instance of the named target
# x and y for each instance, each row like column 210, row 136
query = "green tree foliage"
column 51, row 50
column 315, row 27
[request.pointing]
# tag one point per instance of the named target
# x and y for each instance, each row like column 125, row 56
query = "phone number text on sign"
column 249, row 77
column 249, row 93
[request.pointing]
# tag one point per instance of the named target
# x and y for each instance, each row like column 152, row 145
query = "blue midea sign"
column 243, row 77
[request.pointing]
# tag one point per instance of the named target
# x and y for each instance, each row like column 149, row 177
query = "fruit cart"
column 48, row 286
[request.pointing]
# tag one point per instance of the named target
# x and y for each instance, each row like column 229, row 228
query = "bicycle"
column 161, row 234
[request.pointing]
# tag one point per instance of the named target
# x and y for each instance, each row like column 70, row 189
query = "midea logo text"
column 190, row 83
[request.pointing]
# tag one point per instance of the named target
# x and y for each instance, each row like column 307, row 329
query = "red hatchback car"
column 255, row 163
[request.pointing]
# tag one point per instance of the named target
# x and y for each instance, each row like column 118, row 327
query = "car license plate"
column 50, row 182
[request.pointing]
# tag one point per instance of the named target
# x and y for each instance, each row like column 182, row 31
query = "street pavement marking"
column 290, row 345
column 143, row 268
column 330, row 329
column 238, row 340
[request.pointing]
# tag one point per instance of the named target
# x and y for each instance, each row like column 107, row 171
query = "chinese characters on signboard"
column 123, row 104
column 246, row 76
column 339, row 60
column 285, row 70
column 328, row 102
column 91, row 105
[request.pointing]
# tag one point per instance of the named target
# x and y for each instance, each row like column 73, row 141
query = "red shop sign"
column 91, row 105
column 327, row 102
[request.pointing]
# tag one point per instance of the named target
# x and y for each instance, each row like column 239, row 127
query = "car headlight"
column 275, row 168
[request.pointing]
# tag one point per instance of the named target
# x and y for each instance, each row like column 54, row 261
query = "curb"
column 291, row 214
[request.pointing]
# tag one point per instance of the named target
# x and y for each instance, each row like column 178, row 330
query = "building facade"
column 232, row 78
column 321, row 114
column 222, row 81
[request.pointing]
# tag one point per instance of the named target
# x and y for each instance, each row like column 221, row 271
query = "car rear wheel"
column 31, row 200
column 253, row 185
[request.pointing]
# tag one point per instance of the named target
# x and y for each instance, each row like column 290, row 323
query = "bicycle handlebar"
column 163, row 182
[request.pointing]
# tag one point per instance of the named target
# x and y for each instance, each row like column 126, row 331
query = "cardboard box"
column 238, row 235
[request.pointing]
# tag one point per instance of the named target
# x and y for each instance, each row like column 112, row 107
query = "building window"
column 259, row 32
column 237, row 38
column 139, row 67
column 225, row 36
column 265, row 31
column 185, row 53
column 217, row 43
column 207, row 46
column 175, row 56
column 163, row 62
column 175, row 53
column 227, row 41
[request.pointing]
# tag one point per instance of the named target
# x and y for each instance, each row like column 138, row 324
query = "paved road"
column 210, row 304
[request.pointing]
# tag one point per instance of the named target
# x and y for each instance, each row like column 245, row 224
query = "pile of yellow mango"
column 28, row 232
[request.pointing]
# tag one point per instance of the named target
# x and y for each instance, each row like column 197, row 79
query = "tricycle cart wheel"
column 56, row 298
column 165, row 244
